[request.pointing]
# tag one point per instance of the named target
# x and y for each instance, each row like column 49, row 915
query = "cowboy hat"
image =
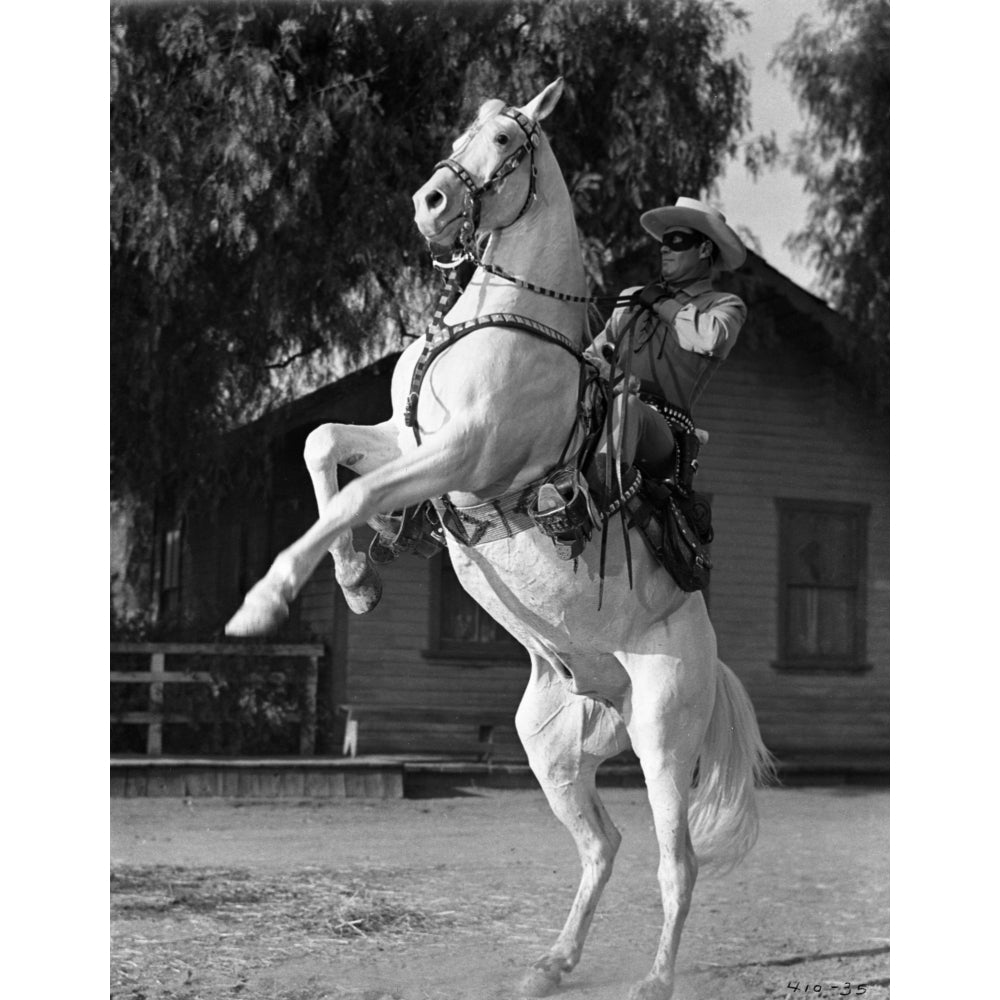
column 701, row 218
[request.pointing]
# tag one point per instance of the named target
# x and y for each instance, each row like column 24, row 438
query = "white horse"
column 494, row 413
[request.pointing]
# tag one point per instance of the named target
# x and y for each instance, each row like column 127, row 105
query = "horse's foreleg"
column 361, row 449
column 406, row 480
column 566, row 736
column 666, row 719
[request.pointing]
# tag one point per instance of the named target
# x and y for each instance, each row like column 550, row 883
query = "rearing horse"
column 489, row 416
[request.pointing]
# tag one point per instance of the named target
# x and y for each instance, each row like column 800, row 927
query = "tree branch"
column 305, row 352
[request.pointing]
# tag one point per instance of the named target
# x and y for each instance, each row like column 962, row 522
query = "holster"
column 677, row 527
column 688, row 446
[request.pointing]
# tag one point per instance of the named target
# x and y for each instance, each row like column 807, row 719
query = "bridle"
column 472, row 209
column 474, row 192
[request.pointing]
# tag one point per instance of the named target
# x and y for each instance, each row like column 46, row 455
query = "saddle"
column 674, row 520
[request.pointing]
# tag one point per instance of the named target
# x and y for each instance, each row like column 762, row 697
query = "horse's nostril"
column 435, row 200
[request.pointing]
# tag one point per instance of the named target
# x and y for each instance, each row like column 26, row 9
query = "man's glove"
column 647, row 297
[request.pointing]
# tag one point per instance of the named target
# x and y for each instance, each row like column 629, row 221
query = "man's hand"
column 647, row 297
column 599, row 362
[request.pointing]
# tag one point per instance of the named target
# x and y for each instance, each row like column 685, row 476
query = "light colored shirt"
column 677, row 352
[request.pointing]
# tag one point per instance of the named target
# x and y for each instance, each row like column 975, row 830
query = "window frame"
column 856, row 660
column 478, row 654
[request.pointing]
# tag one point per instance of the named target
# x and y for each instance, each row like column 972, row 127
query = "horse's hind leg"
column 361, row 449
column 670, row 705
column 566, row 736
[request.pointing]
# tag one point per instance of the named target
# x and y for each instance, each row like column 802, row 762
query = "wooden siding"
column 794, row 430
column 782, row 425
column 790, row 430
column 390, row 664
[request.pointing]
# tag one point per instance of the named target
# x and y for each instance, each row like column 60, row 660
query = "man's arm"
column 712, row 330
column 605, row 341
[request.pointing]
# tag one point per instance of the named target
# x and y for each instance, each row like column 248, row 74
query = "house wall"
column 782, row 425
column 389, row 662
column 790, row 428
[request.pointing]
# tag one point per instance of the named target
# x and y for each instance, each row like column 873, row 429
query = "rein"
column 530, row 286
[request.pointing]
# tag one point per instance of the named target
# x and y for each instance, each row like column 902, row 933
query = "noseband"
column 474, row 193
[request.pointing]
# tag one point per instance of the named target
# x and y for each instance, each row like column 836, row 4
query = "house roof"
column 777, row 308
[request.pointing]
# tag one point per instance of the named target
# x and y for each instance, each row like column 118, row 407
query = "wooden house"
column 798, row 471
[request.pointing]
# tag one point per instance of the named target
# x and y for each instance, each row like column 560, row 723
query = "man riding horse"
column 681, row 327
column 662, row 345
column 670, row 336
column 484, row 410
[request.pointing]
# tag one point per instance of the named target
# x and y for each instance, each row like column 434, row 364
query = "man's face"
column 680, row 254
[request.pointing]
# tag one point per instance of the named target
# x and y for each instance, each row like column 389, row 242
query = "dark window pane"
column 462, row 619
column 172, row 559
column 822, row 575
column 458, row 620
column 489, row 630
column 822, row 547
column 820, row 622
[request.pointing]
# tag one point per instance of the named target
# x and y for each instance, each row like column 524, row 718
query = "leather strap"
column 454, row 333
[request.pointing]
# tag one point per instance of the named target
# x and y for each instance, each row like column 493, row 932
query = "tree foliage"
column 263, row 158
column 840, row 75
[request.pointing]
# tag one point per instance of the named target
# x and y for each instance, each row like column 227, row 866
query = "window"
column 823, row 555
column 170, row 573
column 460, row 628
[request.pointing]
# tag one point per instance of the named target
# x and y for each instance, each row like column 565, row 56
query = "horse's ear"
column 541, row 106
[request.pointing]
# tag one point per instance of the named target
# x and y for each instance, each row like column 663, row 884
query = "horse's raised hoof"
column 263, row 611
column 651, row 989
column 364, row 591
column 540, row 981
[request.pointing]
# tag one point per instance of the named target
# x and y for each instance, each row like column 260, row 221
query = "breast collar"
column 440, row 336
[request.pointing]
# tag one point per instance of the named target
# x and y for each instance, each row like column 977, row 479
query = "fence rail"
column 158, row 675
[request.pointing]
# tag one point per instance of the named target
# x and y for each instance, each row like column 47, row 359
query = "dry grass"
column 191, row 934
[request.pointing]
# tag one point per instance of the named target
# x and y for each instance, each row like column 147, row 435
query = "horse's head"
column 489, row 180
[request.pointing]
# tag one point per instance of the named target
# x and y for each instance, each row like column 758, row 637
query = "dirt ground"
column 451, row 898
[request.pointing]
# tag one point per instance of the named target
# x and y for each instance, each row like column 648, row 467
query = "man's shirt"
column 677, row 352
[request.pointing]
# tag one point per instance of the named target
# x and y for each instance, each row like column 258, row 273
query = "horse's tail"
column 733, row 762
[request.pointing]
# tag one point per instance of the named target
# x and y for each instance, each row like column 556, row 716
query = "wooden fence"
column 158, row 675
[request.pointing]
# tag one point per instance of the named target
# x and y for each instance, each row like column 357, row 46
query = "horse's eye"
column 502, row 139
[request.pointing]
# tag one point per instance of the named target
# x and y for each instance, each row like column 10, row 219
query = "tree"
column 263, row 159
column 840, row 75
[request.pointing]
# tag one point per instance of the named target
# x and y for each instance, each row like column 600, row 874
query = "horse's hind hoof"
column 540, row 982
column 364, row 593
column 651, row 989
